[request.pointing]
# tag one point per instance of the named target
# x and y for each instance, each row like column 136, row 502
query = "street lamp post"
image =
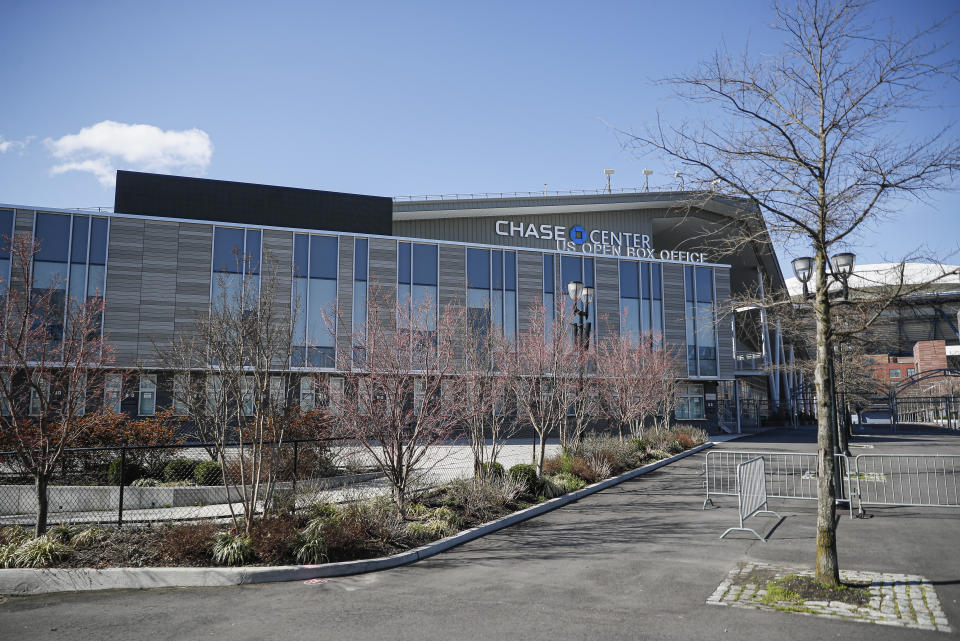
column 581, row 327
column 841, row 268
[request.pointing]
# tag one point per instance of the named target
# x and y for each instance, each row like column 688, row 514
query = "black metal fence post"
column 123, row 469
column 296, row 459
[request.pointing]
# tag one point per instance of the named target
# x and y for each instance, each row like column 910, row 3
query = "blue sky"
column 383, row 98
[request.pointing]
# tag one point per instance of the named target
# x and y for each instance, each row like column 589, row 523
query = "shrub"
column 675, row 447
column 13, row 534
column 639, row 445
column 179, row 469
column 61, row 532
column 146, row 482
column 447, row 515
column 88, row 536
column 39, row 552
column 526, row 476
column 361, row 528
column 491, row 470
column 131, row 472
column 231, row 549
column 208, row 473
column 429, row 530
column 311, row 546
column 563, row 483
column 187, row 544
column 6, row 554
column 557, row 464
column 273, row 539
column 690, row 435
column 608, row 455
column 417, row 511
column 658, row 454
column 583, row 468
column 481, row 499
column 322, row 511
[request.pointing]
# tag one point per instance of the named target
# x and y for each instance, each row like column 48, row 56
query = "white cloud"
column 9, row 145
column 101, row 148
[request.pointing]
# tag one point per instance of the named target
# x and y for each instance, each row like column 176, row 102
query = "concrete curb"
column 30, row 581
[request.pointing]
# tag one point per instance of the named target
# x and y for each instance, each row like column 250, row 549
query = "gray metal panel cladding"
column 724, row 329
column 194, row 260
column 22, row 226
column 452, row 277
column 345, row 303
column 608, row 298
column 529, row 285
column 121, row 320
column 383, row 280
column 674, row 326
column 157, row 289
column 277, row 266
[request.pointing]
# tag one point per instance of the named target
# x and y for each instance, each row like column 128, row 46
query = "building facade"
column 171, row 243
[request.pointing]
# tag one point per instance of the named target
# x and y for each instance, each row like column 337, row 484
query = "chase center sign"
column 596, row 241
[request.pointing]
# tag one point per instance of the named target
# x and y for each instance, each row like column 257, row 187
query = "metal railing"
column 787, row 475
column 908, row 480
column 867, row 479
column 751, row 494
column 534, row 194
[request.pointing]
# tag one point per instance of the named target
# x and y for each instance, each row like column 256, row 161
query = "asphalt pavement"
column 637, row 561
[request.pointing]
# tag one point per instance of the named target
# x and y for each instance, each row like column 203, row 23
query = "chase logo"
column 578, row 234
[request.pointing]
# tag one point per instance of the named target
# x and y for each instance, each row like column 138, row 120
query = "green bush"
column 639, row 444
column 208, row 473
column 311, row 547
column 491, row 470
column 231, row 549
column 568, row 482
column 526, row 475
column 131, row 472
column 37, row 553
column 179, row 469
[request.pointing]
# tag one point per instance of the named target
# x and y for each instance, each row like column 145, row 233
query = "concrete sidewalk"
column 637, row 561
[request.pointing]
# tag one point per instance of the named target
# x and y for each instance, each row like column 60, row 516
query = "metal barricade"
column 751, row 494
column 908, row 480
column 788, row 475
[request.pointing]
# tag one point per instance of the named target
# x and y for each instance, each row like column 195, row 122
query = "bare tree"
column 490, row 418
column 544, row 375
column 638, row 382
column 403, row 396
column 232, row 379
column 810, row 137
column 52, row 362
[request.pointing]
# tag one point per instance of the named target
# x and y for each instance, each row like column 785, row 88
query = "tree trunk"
column 543, row 448
column 827, row 570
column 42, row 504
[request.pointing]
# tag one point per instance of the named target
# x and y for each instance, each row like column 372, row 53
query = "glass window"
column 403, row 263
column 181, row 389
column 895, row 373
column 112, row 392
column 424, row 264
column 496, row 269
column 571, row 269
column 323, row 257
column 98, row 241
column 478, row 268
column 277, row 393
column 53, row 237
column 629, row 280
column 228, row 250
column 78, row 249
column 252, row 251
column 510, row 271
column 301, row 244
column 548, row 284
column 700, row 321
column 147, row 395
column 307, row 394
column 360, row 249
column 6, row 232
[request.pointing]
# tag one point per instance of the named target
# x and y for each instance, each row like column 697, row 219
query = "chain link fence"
column 168, row 483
